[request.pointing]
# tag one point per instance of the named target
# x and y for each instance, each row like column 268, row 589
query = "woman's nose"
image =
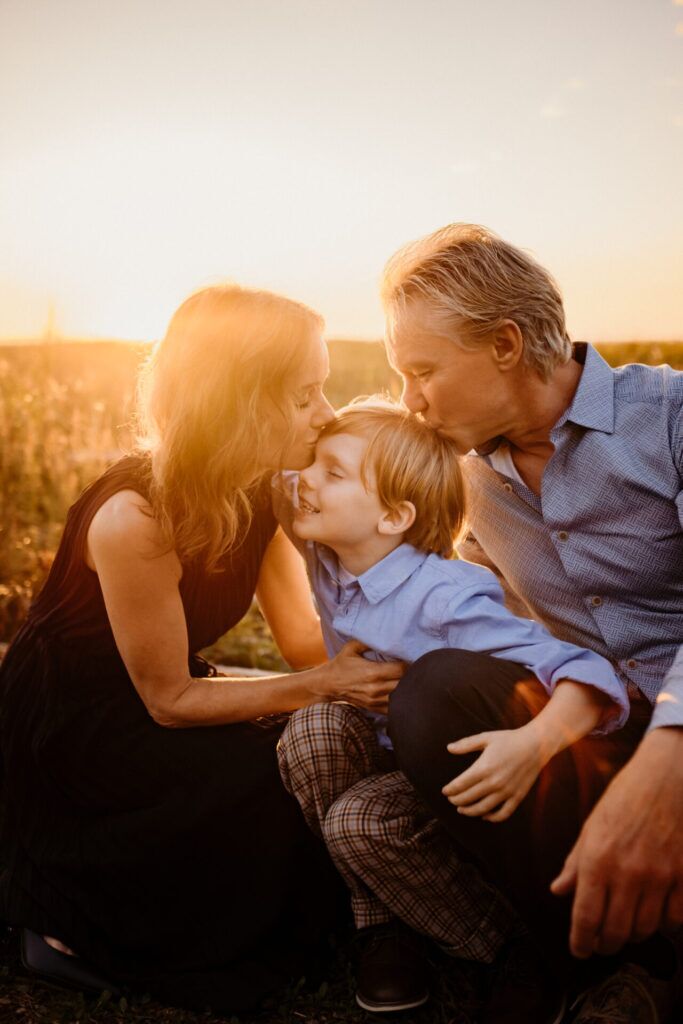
column 324, row 413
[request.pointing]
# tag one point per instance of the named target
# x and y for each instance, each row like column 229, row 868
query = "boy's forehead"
column 345, row 446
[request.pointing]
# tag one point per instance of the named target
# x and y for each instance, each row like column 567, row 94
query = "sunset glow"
column 149, row 149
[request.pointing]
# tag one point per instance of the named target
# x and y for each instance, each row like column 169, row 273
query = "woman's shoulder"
column 117, row 512
column 124, row 530
column 124, row 515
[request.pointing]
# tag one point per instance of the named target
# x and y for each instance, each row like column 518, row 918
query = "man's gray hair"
column 471, row 281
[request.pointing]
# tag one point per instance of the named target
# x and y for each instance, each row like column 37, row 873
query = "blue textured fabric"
column 598, row 557
column 410, row 603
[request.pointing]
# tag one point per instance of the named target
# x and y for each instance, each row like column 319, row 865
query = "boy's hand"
column 495, row 785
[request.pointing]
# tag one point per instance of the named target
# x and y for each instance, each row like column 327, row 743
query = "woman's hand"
column 495, row 785
column 355, row 679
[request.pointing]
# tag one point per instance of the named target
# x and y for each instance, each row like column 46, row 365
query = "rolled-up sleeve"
column 479, row 621
column 669, row 704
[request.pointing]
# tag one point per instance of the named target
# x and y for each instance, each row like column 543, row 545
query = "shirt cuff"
column 669, row 704
column 594, row 670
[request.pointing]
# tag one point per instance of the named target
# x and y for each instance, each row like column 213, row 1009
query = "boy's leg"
column 392, row 853
column 323, row 751
column 447, row 695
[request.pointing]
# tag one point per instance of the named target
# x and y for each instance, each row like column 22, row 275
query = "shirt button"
column 631, row 663
column 562, row 535
column 596, row 601
column 507, row 487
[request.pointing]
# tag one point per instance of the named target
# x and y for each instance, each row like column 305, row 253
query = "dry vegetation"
column 65, row 412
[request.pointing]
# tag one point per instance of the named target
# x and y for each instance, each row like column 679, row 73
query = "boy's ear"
column 397, row 520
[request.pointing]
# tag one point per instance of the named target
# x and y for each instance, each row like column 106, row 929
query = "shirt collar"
column 382, row 578
column 593, row 402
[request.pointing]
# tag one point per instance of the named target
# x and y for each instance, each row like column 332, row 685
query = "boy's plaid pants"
column 393, row 855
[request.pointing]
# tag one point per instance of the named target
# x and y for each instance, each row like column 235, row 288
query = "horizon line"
column 103, row 340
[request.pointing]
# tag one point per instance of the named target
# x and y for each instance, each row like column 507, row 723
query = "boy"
column 376, row 517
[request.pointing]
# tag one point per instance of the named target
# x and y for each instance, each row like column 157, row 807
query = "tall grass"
column 65, row 411
column 65, row 414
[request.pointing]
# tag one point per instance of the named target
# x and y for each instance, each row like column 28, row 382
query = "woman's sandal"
column 41, row 959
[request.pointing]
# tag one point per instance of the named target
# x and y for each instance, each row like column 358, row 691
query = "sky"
column 148, row 148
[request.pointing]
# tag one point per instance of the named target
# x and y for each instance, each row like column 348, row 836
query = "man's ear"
column 397, row 520
column 507, row 345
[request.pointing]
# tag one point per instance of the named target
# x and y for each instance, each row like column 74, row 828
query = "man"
column 575, row 473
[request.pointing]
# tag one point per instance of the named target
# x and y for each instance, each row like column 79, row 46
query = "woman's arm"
column 139, row 580
column 512, row 759
column 285, row 599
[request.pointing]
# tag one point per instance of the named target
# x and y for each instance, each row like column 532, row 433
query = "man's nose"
column 412, row 397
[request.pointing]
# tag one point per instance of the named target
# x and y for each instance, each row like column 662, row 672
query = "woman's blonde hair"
column 205, row 407
column 409, row 461
column 472, row 281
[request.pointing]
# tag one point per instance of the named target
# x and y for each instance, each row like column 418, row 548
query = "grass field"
column 65, row 411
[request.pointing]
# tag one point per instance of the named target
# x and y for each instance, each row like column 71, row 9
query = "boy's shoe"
column 43, row 960
column 628, row 996
column 392, row 971
column 523, row 991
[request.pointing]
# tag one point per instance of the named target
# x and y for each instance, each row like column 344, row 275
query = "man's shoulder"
column 636, row 382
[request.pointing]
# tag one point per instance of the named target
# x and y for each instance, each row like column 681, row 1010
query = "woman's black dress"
column 171, row 859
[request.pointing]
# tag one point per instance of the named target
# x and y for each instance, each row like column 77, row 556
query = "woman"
column 144, row 824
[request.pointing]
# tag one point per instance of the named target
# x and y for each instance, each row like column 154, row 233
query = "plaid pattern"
column 393, row 856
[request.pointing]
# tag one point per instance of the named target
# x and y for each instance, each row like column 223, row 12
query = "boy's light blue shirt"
column 410, row 603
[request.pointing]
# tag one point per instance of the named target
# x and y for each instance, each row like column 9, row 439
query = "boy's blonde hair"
column 409, row 462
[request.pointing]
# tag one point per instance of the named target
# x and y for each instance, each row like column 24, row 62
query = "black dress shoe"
column 392, row 972
column 41, row 959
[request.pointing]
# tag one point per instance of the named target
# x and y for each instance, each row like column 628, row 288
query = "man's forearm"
column 626, row 869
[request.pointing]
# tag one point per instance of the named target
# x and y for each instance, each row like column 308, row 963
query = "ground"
column 457, row 992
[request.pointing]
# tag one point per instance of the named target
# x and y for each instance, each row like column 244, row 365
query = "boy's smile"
column 337, row 509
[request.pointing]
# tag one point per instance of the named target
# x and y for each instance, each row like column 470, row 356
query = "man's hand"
column 495, row 785
column 626, row 868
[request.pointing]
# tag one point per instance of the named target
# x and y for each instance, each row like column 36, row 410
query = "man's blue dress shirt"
column 410, row 603
column 598, row 556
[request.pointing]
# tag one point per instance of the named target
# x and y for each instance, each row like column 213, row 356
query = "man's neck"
column 538, row 406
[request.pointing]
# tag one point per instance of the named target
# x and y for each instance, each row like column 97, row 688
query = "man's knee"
column 440, row 687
